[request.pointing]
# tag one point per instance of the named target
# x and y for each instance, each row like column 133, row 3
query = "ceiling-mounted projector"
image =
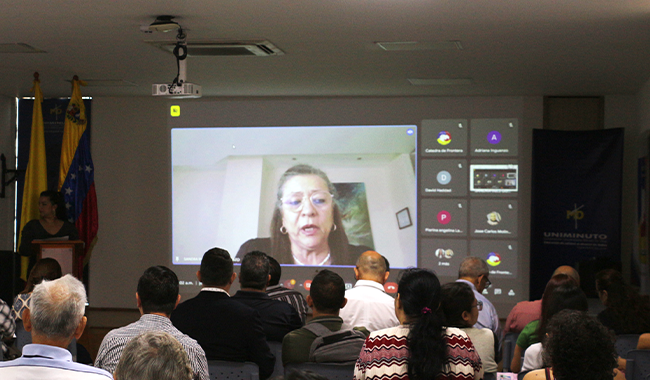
column 179, row 88
column 181, row 91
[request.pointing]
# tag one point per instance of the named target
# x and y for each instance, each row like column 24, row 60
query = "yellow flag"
column 73, row 128
column 36, row 175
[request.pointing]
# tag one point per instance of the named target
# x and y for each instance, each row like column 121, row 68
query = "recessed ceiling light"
column 415, row 45
column 164, row 24
column 441, row 82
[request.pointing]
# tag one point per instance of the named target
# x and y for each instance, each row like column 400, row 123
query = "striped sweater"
column 384, row 356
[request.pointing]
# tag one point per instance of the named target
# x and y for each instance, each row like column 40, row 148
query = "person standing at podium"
column 51, row 224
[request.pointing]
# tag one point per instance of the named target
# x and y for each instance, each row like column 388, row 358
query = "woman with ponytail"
column 420, row 348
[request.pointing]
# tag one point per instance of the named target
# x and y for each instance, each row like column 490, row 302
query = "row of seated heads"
column 427, row 305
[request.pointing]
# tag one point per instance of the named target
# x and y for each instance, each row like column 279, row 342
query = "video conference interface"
column 427, row 195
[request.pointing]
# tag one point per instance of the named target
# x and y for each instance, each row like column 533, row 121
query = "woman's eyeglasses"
column 295, row 201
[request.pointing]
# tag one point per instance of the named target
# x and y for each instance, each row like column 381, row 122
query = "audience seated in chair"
column 156, row 297
column 534, row 330
column 578, row 347
column 44, row 269
column 626, row 311
column 474, row 272
column 420, row 347
column 154, row 355
column 7, row 326
column 525, row 312
column 368, row 304
column 326, row 298
column 55, row 316
column 225, row 328
column 280, row 293
column 278, row 317
column 563, row 297
column 461, row 309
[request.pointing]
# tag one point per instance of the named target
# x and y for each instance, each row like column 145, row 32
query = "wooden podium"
column 68, row 253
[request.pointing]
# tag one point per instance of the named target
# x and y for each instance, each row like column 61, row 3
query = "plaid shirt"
column 115, row 341
column 7, row 324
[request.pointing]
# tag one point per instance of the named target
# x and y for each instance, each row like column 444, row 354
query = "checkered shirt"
column 7, row 324
column 115, row 341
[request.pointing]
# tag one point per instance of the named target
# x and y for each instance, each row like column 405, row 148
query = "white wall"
column 131, row 151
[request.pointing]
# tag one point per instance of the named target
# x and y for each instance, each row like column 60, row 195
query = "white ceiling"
column 510, row 47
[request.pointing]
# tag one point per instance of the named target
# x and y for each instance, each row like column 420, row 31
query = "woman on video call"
column 306, row 228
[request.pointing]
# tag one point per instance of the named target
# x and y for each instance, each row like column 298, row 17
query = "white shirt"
column 533, row 357
column 41, row 361
column 369, row 306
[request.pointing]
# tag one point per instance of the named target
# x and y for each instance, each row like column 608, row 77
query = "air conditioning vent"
column 222, row 48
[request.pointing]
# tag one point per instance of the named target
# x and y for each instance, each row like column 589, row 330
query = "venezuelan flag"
column 77, row 172
column 36, row 175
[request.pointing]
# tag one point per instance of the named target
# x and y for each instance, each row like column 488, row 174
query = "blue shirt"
column 41, row 361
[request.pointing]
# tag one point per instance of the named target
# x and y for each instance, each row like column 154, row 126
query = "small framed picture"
column 404, row 218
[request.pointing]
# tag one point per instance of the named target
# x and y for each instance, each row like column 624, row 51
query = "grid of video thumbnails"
column 468, row 189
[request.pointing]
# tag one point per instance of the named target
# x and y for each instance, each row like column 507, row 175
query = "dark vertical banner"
column 576, row 201
column 53, row 120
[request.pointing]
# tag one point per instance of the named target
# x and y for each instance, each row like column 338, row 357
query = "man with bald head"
column 525, row 312
column 368, row 304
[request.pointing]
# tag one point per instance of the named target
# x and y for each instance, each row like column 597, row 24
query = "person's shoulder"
column 455, row 334
column 396, row 331
column 479, row 333
column 531, row 326
column 33, row 225
column 92, row 372
column 187, row 342
column 301, row 333
column 362, row 329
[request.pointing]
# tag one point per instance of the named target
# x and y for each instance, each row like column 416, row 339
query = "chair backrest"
column 224, row 370
column 625, row 343
column 332, row 371
column 276, row 349
column 509, row 343
column 638, row 365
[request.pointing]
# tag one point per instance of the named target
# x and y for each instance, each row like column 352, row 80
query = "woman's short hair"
column 579, row 347
column 46, row 268
column 337, row 239
column 153, row 355
column 419, row 296
column 56, row 198
column 457, row 297
column 56, row 307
